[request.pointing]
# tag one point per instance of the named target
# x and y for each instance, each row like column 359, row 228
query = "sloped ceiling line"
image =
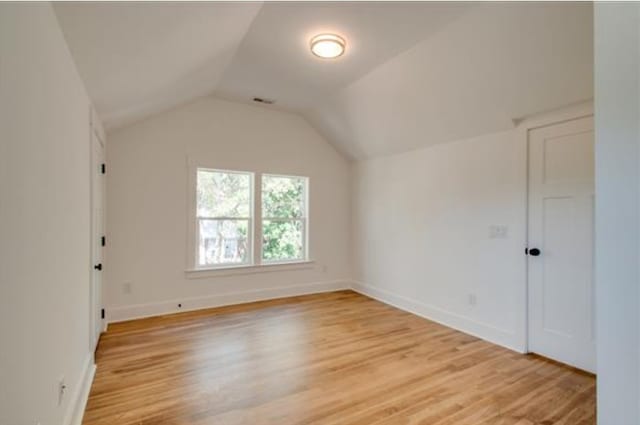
column 415, row 74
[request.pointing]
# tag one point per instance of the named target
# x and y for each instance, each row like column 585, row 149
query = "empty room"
column 319, row 213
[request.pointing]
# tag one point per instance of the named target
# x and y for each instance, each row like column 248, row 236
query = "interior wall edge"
column 617, row 211
column 80, row 397
column 45, row 127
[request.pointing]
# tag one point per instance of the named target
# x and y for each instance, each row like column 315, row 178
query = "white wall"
column 44, row 219
column 147, row 204
column 617, row 66
column 421, row 233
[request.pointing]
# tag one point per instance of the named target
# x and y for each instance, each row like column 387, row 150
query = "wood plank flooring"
column 331, row 359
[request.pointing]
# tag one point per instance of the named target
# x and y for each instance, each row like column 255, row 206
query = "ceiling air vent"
column 263, row 100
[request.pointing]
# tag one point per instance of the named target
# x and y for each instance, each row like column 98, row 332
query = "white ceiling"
column 414, row 74
column 139, row 58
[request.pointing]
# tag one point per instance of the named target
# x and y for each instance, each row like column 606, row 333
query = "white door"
column 97, row 238
column 560, row 248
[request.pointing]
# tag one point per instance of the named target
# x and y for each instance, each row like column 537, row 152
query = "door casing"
column 96, row 324
column 524, row 127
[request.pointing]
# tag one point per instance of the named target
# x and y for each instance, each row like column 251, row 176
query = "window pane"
column 223, row 242
column 282, row 240
column 223, row 194
column 283, row 197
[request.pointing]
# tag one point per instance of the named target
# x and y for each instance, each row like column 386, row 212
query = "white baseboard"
column 80, row 394
column 138, row 311
column 461, row 323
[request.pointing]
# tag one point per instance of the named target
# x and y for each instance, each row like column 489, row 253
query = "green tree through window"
column 284, row 218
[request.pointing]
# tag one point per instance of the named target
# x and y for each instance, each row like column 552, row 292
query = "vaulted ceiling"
column 414, row 74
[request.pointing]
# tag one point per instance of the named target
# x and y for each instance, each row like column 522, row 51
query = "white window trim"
column 256, row 264
column 250, row 269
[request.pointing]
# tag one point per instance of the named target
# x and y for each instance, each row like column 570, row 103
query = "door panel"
column 561, row 205
column 558, row 234
column 568, row 149
column 97, row 231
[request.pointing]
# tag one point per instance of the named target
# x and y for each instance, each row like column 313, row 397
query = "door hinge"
column 102, row 313
column 103, row 168
column 103, row 240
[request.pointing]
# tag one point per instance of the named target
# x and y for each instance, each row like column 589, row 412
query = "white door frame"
column 95, row 131
column 524, row 127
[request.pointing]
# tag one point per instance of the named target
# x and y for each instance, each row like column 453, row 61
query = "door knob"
column 534, row 252
column 98, row 266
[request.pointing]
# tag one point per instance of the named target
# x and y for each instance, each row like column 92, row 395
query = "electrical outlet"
column 62, row 390
column 473, row 300
column 126, row 288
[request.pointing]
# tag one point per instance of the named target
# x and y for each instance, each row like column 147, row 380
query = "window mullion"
column 257, row 219
column 197, row 241
column 305, row 235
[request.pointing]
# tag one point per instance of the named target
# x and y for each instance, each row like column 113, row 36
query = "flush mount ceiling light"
column 327, row 46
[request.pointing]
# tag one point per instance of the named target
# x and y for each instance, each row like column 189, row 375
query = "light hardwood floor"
column 332, row 359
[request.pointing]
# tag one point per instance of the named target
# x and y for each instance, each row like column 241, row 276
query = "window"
column 224, row 218
column 228, row 230
column 284, row 218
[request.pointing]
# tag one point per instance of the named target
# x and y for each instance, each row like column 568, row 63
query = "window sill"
column 249, row 269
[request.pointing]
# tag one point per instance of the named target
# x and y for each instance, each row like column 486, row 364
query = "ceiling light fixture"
column 327, row 46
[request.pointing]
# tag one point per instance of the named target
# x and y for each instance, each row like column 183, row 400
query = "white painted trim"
column 580, row 110
column 138, row 311
column 75, row 411
column 95, row 133
column 456, row 321
column 568, row 113
column 250, row 269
